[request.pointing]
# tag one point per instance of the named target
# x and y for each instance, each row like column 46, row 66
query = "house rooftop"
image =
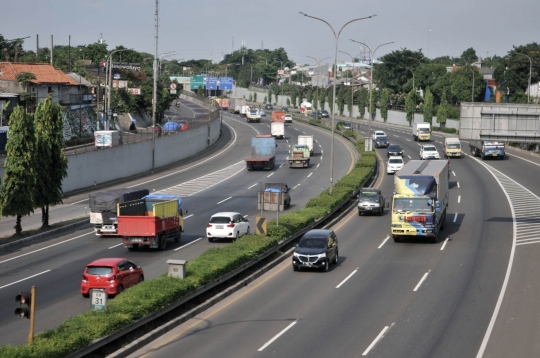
column 44, row 72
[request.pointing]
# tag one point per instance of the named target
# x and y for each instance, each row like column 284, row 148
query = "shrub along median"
column 152, row 295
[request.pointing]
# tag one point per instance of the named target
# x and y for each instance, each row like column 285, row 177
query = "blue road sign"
column 211, row 83
column 225, row 83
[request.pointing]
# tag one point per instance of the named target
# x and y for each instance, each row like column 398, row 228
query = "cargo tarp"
column 107, row 200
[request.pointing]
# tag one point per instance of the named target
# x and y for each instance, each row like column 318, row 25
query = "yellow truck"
column 421, row 132
column 452, row 148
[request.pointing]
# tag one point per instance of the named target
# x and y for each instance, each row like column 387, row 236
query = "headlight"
column 396, row 225
column 321, row 256
column 296, row 255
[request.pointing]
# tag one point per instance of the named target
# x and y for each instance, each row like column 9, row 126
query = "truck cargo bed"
column 146, row 226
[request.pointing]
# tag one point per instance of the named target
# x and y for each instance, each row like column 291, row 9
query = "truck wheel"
column 443, row 223
column 396, row 238
column 482, row 156
column 133, row 247
column 161, row 242
column 178, row 236
column 433, row 240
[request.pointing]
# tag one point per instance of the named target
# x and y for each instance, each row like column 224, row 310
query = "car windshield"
column 420, row 205
column 394, row 147
column 430, row 149
column 99, row 270
column 220, row 220
column 395, row 161
column 312, row 243
column 369, row 195
column 382, row 139
column 453, row 145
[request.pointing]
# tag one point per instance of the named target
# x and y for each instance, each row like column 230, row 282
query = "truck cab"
column 452, row 148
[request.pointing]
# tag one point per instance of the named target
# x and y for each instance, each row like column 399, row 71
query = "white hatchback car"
column 227, row 225
column 377, row 134
column 288, row 118
column 394, row 164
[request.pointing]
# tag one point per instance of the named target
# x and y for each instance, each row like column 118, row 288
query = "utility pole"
column 154, row 97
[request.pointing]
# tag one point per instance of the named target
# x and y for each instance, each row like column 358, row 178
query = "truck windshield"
column 453, row 145
column 419, row 205
column 423, row 130
column 369, row 195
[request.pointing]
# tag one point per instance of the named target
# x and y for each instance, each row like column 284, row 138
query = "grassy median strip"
column 152, row 295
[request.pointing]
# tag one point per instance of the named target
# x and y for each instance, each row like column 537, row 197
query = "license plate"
column 494, row 155
column 219, row 226
column 368, row 208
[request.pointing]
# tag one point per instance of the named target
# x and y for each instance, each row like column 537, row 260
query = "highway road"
column 209, row 184
column 473, row 293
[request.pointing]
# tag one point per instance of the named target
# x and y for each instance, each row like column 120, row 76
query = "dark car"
column 324, row 113
column 370, row 201
column 381, row 142
column 394, row 149
column 285, row 109
column 315, row 115
column 316, row 249
column 268, row 106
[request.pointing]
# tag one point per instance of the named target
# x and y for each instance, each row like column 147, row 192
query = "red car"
column 183, row 126
column 112, row 274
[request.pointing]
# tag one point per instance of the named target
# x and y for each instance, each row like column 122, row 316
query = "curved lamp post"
column 371, row 54
column 336, row 36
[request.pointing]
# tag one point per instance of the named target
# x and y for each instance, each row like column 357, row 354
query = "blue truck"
column 487, row 149
column 263, row 152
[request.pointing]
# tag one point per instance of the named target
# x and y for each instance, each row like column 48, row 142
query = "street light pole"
column 109, row 80
column 154, row 94
column 530, row 70
column 371, row 56
column 352, row 90
column 336, row 36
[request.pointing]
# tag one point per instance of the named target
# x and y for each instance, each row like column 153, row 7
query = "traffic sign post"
column 260, row 225
column 172, row 86
column 98, row 299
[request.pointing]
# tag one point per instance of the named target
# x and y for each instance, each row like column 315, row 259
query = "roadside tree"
column 427, row 109
column 385, row 98
column 410, row 105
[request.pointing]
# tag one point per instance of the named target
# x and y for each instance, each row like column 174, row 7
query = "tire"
column 247, row 232
column 359, row 213
column 162, row 243
column 86, row 295
column 396, row 238
column 381, row 211
column 326, row 266
column 237, row 236
column 433, row 240
column 210, row 239
column 141, row 279
column 134, row 247
column 178, row 236
column 483, row 156
column 443, row 223
column 120, row 289
column 294, row 268
column 336, row 258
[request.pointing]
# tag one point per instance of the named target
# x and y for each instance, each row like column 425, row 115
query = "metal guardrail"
column 97, row 344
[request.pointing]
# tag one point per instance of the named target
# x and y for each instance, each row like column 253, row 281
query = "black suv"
column 316, row 249
column 370, row 201
column 381, row 142
column 268, row 106
column 394, row 149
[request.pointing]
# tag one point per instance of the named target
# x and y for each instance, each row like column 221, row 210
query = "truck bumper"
column 298, row 164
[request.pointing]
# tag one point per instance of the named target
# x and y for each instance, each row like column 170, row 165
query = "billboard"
column 185, row 81
column 211, row 83
column 226, row 83
column 197, row 81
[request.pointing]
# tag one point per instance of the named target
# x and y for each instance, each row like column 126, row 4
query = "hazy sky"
column 205, row 29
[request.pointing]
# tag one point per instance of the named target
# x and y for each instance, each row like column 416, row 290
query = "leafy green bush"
column 449, row 130
column 153, row 295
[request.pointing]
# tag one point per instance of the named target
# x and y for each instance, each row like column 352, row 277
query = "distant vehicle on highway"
column 316, row 249
column 285, row 109
column 315, row 115
column 324, row 113
column 382, row 142
column 394, row 149
column 113, row 275
column 227, row 225
column 288, row 118
column 394, row 164
column 370, row 201
column 268, row 106
column 378, row 134
column 262, row 112
column 429, row 151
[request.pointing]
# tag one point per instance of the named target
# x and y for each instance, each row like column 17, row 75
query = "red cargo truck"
column 150, row 221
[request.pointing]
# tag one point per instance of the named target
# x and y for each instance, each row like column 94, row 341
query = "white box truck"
column 278, row 129
column 421, row 131
column 306, row 140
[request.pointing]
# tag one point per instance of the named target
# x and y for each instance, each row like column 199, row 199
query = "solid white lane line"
column 76, row 202
column 409, row 157
column 46, row 247
column 453, row 172
column 252, row 186
column 421, row 280
column 376, row 340
column 459, row 198
column 112, row 247
column 309, row 175
column 296, row 186
column 455, row 217
column 190, row 215
column 268, row 176
column 457, row 184
column 277, row 336
column 224, row 200
column 318, row 165
column 24, row 279
column 280, row 165
column 287, row 140
column 348, row 277
column 384, row 241
column 408, row 140
column 445, row 242
column 181, row 247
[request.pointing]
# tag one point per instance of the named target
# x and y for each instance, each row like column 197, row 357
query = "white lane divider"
column 455, row 217
column 348, row 277
column 459, row 198
column 408, row 140
column 384, row 241
column 187, row 217
column 112, row 247
column 224, row 200
column 277, row 336
column 194, row 241
column 252, row 186
column 24, row 279
column 444, row 244
column 269, row 175
column 296, row 186
column 309, row 174
column 280, row 165
column 457, row 184
column 318, row 165
column 453, row 172
column 409, row 157
column 421, row 280
column 47, row 247
column 377, row 339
